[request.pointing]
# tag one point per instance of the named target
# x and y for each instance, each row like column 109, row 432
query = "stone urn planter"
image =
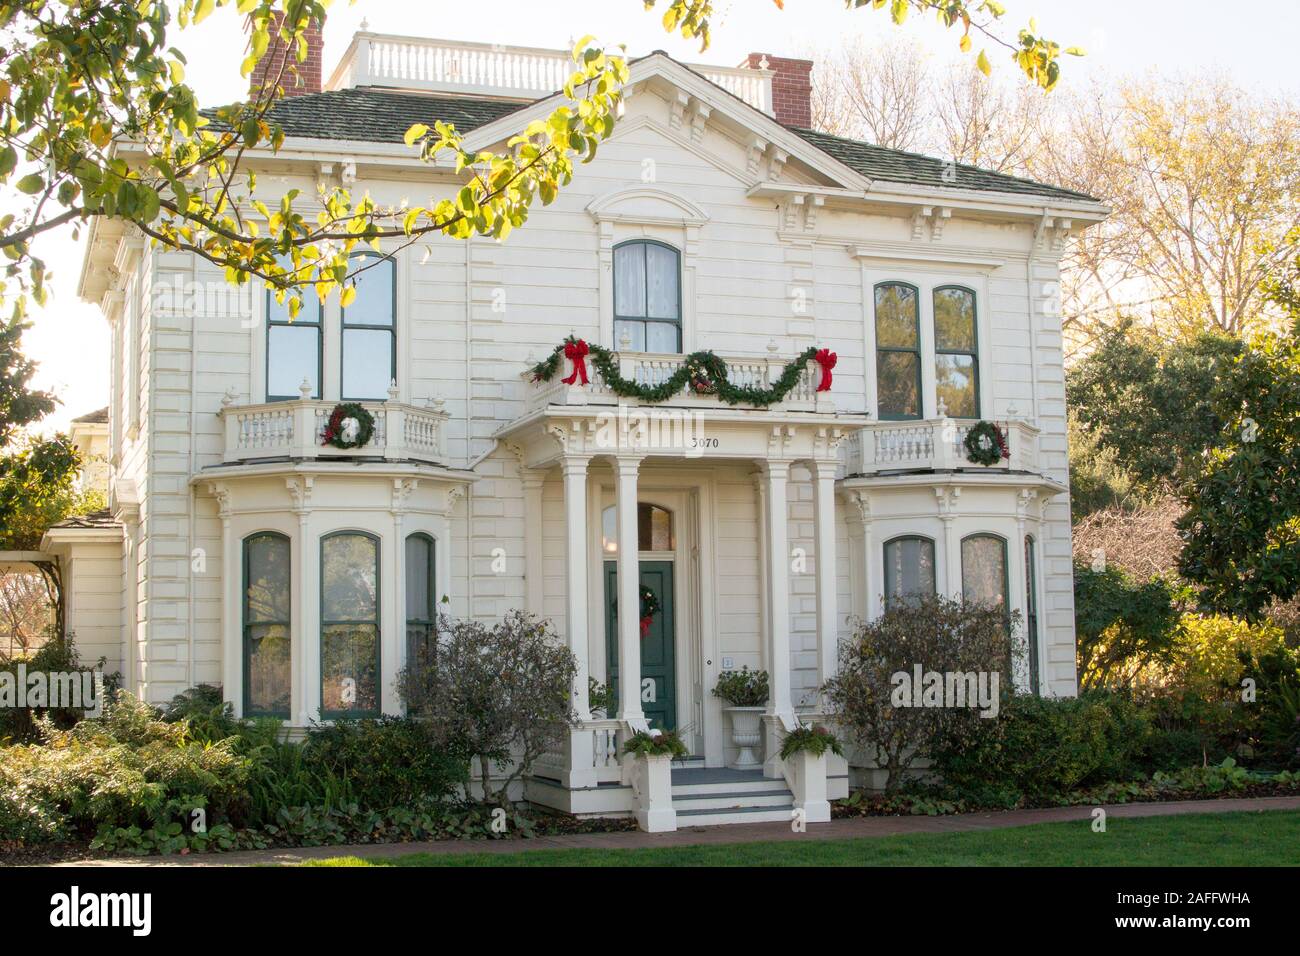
column 747, row 736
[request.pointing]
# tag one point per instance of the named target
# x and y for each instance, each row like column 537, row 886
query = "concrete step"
column 713, row 788
column 733, row 800
column 711, row 818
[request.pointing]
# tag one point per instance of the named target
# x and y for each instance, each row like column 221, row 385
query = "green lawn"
column 1269, row 838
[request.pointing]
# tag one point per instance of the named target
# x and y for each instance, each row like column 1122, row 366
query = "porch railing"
column 651, row 369
column 937, row 443
column 294, row 429
column 595, row 747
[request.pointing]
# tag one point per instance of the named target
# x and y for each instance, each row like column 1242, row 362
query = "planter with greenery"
column 745, row 693
column 804, row 756
column 647, row 767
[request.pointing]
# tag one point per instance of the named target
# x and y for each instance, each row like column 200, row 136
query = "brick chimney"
column 308, row 78
column 791, row 87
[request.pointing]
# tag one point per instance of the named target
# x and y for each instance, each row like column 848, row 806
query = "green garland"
column 704, row 372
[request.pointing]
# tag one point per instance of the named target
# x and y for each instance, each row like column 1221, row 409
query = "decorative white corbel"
column 699, row 121
column 678, row 109
column 757, row 146
column 811, row 205
column 777, row 158
column 919, row 216
column 938, row 219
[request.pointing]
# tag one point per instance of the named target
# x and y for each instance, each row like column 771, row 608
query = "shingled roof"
column 377, row 115
column 102, row 518
column 897, row 166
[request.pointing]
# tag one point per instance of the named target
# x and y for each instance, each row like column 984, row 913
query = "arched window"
column 654, row 527
column 909, row 569
column 421, row 595
column 293, row 347
column 349, row 625
column 898, row 351
column 956, row 364
column 984, row 569
column 369, row 352
column 267, row 602
column 648, row 296
column 1031, row 611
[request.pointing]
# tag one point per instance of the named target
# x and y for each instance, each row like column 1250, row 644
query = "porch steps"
column 715, row 796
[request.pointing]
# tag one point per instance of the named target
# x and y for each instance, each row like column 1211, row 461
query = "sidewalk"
column 733, row 833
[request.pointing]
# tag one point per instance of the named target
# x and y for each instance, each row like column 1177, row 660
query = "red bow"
column 645, row 626
column 576, row 352
column 826, row 359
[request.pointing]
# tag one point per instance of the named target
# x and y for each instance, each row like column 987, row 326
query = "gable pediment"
column 646, row 204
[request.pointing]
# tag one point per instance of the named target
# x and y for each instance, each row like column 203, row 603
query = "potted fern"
column 745, row 693
column 647, row 763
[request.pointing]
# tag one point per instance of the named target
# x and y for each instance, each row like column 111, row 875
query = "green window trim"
column 972, row 353
column 304, row 321
column 391, row 328
column 645, row 318
column 246, row 625
column 1031, row 613
column 883, row 350
column 900, row 539
column 375, row 623
column 427, row 624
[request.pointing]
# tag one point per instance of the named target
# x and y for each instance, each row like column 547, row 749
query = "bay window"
column 898, row 351
column 293, row 347
column 956, row 364
column 909, row 569
column 266, row 625
column 369, row 351
column 421, row 600
column 349, row 626
column 647, row 296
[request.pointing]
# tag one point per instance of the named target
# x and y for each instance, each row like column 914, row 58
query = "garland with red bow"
column 702, row 372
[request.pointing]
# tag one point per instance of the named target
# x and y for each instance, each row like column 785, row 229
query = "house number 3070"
column 704, row 443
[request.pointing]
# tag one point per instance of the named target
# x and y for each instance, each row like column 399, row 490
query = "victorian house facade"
column 240, row 550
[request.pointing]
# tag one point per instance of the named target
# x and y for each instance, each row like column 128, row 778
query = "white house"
column 243, row 551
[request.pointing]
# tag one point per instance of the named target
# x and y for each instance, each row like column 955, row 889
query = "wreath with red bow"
column 333, row 433
column 985, row 444
column 650, row 606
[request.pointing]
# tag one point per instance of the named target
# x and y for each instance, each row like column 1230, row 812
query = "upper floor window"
column 909, row 569
column 293, row 348
column 647, row 296
column 898, row 351
column 267, row 674
column 369, row 353
column 956, row 364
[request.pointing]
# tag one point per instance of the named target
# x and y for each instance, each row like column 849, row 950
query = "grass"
column 1268, row 838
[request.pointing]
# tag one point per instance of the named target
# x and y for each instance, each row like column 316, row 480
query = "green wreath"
column 985, row 444
column 650, row 606
column 704, row 372
column 334, row 428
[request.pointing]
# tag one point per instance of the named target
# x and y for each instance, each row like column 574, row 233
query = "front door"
column 658, row 663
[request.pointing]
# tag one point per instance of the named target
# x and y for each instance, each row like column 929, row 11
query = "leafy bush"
column 204, row 706
column 935, row 634
column 742, row 688
column 127, row 769
column 1122, row 626
column 1039, row 747
column 388, row 761
column 503, row 693
column 22, row 725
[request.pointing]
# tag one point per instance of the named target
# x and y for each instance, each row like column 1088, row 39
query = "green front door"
column 658, row 663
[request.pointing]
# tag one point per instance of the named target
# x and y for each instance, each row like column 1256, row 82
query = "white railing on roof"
column 483, row 69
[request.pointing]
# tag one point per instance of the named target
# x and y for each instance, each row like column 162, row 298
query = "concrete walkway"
column 732, row 833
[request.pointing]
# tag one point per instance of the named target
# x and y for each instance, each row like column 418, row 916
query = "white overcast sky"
column 1254, row 44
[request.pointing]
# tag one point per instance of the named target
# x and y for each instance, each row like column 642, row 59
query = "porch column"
column 778, row 590
column 947, row 500
column 574, row 468
column 824, row 541
column 629, row 593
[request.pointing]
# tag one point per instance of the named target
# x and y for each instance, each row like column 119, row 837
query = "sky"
column 70, row 339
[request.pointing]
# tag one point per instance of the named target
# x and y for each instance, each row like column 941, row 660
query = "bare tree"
column 986, row 123
column 26, row 612
column 878, row 92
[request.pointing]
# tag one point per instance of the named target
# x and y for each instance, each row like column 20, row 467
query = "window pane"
column 419, row 574
column 954, row 380
column 292, row 354
column 629, row 280
column 267, row 572
column 268, row 676
column 374, row 302
column 661, row 337
column 654, row 528
column 349, row 667
column 984, row 570
column 1031, row 615
column 896, row 323
column 954, row 320
column 909, row 568
column 636, row 336
column 349, row 574
column 279, row 312
column 609, row 530
column 661, row 276
column 367, row 363
column 898, row 384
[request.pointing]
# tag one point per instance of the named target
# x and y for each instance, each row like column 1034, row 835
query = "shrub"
column 932, row 633
column 21, row 725
column 503, row 693
column 210, row 717
column 1122, row 626
column 742, row 688
column 1040, row 747
column 387, row 761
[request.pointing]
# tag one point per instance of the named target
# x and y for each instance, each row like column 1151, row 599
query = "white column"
column 951, row 547
column 232, row 662
column 824, row 541
column 629, row 591
column 392, row 655
column 574, row 469
column 308, row 621
column 764, row 603
column 778, row 589
column 534, row 571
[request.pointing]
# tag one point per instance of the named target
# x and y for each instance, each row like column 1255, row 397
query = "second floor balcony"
column 936, row 444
